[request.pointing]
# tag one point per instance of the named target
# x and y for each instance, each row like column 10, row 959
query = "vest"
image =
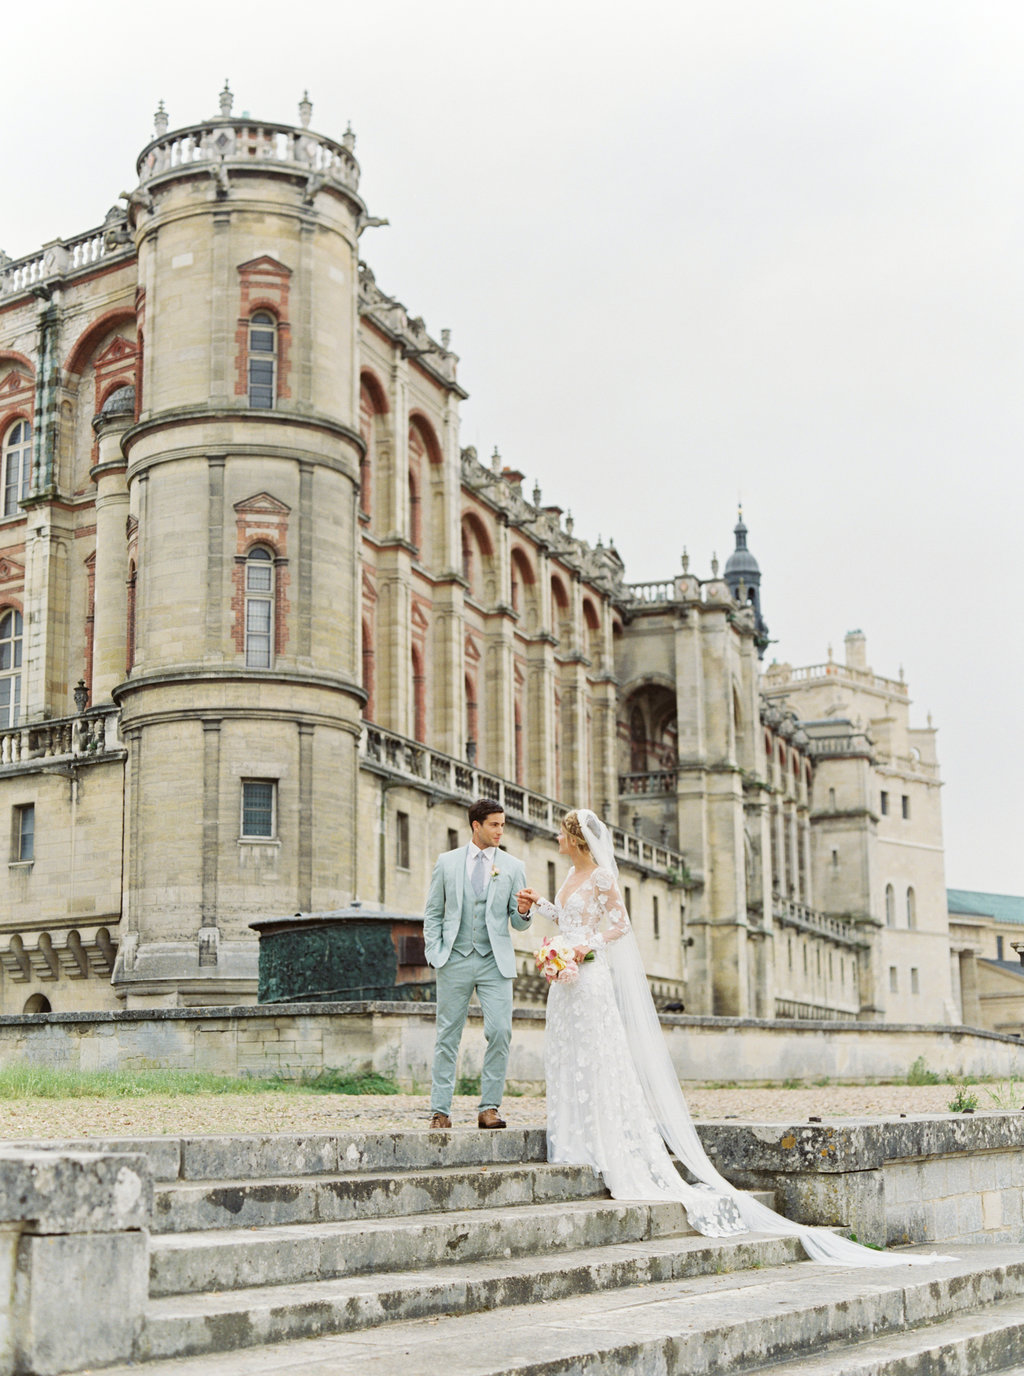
column 473, row 934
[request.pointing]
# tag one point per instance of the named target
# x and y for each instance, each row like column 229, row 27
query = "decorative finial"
column 536, row 493
column 348, row 139
column 901, row 674
column 81, row 695
column 929, row 721
column 685, row 561
column 569, row 523
column 714, row 565
column 830, row 652
column 305, row 110
column 600, row 542
column 495, row 461
column 160, row 121
column 226, row 100
column 741, row 591
column 446, row 338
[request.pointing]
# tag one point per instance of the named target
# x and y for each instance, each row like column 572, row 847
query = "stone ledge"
column 75, row 1192
column 857, row 1144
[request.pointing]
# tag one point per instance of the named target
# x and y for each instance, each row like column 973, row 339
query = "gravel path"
column 160, row 1115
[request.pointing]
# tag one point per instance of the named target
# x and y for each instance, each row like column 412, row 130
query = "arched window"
column 262, row 359
column 911, row 909
column 17, row 465
column 890, row 906
column 259, row 608
column 10, row 668
column 133, row 578
column 419, row 696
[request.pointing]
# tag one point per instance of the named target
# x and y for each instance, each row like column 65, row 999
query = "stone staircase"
column 467, row 1253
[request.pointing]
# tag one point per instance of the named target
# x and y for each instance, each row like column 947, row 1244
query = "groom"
column 472, row 899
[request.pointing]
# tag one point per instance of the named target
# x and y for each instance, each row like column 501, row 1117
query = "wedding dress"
column 613, row 1096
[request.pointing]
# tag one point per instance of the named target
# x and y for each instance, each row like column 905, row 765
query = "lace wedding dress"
column 597, row 1114
column 613, row 1095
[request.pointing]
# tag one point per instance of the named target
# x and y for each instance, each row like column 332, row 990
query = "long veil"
column 665, row 1100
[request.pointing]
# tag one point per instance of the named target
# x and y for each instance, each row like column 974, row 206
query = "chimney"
column 856, row 650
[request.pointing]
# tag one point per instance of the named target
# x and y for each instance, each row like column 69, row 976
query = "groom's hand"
column 525, row 900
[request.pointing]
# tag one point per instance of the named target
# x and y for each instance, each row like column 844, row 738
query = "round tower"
column 241, row 708
column 743, row 576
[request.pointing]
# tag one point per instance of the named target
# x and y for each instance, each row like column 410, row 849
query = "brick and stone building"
column 265, row 627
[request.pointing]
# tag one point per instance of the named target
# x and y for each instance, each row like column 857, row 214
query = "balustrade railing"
column 812, row 1012
column 796, row 914
column 663, row 590
column 399, row 756
column 242, row 140
column 782, row 673
column 64, row 257
column 652, row 781
column 79, row 737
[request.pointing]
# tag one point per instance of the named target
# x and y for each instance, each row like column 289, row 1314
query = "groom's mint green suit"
column 467, row 942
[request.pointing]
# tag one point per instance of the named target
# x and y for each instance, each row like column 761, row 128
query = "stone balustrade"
column 65, row 257
column 789, row 912
column 651, row 781
column 77, row 738
column 388, row 753
column 245, row 141
column 784, row 673
column 663, row 590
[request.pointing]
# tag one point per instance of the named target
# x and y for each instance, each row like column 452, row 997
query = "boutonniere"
column 495, row 872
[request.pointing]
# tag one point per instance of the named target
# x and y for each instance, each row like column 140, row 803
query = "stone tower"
column 240, row 478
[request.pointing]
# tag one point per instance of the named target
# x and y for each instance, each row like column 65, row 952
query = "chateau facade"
column 265, row 628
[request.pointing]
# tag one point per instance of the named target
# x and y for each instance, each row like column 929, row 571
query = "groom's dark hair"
column 482, row 809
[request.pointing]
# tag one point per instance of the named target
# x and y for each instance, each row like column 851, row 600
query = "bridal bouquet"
column 556, row 960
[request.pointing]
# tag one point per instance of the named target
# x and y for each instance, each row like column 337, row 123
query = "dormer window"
column 262, row 359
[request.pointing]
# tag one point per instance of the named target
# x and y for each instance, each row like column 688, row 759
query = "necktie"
column 479, row 879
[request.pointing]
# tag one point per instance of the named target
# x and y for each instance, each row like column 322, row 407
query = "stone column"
column 110, row 615
column 970, row 1001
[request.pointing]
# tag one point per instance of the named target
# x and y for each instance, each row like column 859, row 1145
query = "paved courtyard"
column 277, row 1112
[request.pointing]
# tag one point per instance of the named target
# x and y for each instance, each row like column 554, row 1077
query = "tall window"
column 10, row 668
column 905, row 807
column 911, row 909
column 885, row 803
column 17, row 465
column 890, row 906
column 259, row 607
column 23, row 839
column 259, row 800
column 402, row 851
column 657, row 916
column 262, row 359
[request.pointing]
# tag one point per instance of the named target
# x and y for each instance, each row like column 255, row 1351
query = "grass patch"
column 468, row 1085
column 919, row 1074
column 44, row 1082
column 962, row 1101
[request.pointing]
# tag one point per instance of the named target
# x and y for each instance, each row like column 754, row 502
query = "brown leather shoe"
column 440, row 1120
column 490, row 1118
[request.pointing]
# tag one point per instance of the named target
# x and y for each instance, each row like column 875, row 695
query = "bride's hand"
column 580, row 954
column 525, row 899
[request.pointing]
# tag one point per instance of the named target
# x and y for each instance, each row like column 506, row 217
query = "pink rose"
column 550, row 970
column 569, row 974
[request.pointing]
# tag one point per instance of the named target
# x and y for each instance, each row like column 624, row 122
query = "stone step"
column 190, row 1324
column 719, row 1324
column 978, row 1343
column 222, row 1259
column 188, row 1263
column 187, row 1206
column 275, row 1155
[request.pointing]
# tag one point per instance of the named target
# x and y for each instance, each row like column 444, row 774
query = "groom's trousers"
column 456, row 980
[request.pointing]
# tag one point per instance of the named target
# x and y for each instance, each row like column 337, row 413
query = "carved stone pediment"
column 263, row 504
column 11, row 572
column 15, row 381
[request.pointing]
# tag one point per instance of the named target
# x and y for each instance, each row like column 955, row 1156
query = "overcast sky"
column 688, row 252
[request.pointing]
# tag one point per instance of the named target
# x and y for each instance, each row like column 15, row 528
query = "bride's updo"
column 573, row 828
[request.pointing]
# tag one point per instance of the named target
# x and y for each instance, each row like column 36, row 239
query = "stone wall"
column 951, row 1179
column 396, row 1039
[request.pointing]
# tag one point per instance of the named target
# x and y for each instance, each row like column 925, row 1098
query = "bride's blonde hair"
column 572, row 827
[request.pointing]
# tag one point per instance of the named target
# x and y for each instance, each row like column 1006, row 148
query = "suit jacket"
column 442, row 912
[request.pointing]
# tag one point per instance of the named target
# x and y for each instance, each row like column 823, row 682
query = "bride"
column 613, row 1096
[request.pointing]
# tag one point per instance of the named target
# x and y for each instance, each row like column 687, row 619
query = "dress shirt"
column 472, row 851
